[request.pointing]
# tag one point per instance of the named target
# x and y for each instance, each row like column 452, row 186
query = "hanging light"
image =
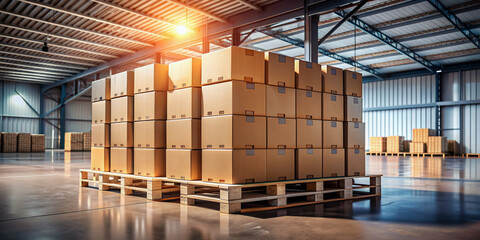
column 45, row 47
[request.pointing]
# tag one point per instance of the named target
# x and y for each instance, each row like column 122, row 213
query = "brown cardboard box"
column 416, row 147
column 121, row 134
column 354, row 134
column 352, row 83
column 281, row 132
column 73, row 146
column 122, row 109
column 406, row 145
column 395, row 144
column 87, row 141
column 332, row 107
column 184, row 133
column 122, row 160
column 233, row 97
column 101, row 89
column 149, row 134
column 334, row 162
column 101, row 135
column 309, row 163
column 38, row 143
column 153, row 77
column 234, row 166
column 24, row 142
column 122, row 84
column 332, row 134
column 279, row 70
column 436, row 144
column 453, row 147
column 280, row 102
column 184, row 103
column 150, row 106
column 9, row 142
column 101, row 112
column 234, row 132
column 100, row 159
column 184, row 164
column 353, row 109
column 74, row 137
column 149, row 162
column 355, row 162
column 233, row 63
column 309, row 133
column 308, row 75
column 185, row 73
column 378, row 144
column 422, row 134
column 280, row 164
column 332, row 79
column 309, row 104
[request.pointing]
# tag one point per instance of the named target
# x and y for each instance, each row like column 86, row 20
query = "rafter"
column 198, row 10
column 46, row 73
column 28, row 74
column 250, row 5
column 61, row 67
column 52, row 53
column 5, row 73
column 22, row 79
column 48, row 59
column 49, row 69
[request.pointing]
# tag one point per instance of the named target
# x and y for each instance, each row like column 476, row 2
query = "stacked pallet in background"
column 395, row 144
column 87, row 141
column 38, row 143
column 24, row 142
column 73, row 141
column 378, row 144
column 101, row 105
column 453, row 147
column 417, row 147
column 406, row 145
column 9, row 141
column 437, row 144
column 420, row 135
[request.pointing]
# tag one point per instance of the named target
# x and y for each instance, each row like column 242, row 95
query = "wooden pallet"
column 408, row 154
column 472, row 155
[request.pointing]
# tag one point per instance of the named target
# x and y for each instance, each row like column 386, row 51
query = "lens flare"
column 181, row 29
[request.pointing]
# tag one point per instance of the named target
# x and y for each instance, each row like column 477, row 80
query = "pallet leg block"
column 278, row 202
column 375, row 181
column 315, row 198
column 154, row 185
column 126, row 182
column 154, row 194
column 184, row 200
column 83, row 175
column 103, row 179
column 230, row 207
column 231, row 193
column 186, row 189
column 276, row 190
column 376, row 190
column 315, row 186
column 348, row 193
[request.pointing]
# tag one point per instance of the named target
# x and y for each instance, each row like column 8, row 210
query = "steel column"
column 461, row 112
column 438, row 117
column 311, row 35
column 41, row 125
column 2, row 98
column 63, row 95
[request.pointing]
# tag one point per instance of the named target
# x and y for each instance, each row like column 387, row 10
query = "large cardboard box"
column 185, row 73
column 332, row 134
column 334, row 162
column 308, row 75
column 234, row 166
column 121, row 160
column 436, row 144
column 73, row 146
column 309, row 104
column 453, row 147
column 149, row 162
column 121, row 134
column 333, row 107
column 74, row 137
column 279, row 70
column 101, row 135
column 332, row 79
column 184, row 133
column 184, row 164
column 101, row 89
column 24, row 142
column 150, row 106
column 149, row 134
column 406, row 145
column 233, row 63
column 395, row 144
column 122, row 109
column 100, row 159
column 234, row 132
column 87, row 141
column 184, row 103
column 9, row 142
column 281, row 132
column 153, row 77
column 280, row 102
column 354, row 134
column 101, row 112
column 280, row 164
column 353, row 109
column 309, row 163
column 122, row 84
column 38, row 143
column 378, row 144
column 352, row 83
column 309, row 133
column 233, row 97
column 355, row 162
column 418, row 147
column 422, row 134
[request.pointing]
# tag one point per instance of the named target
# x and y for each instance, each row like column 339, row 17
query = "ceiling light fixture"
column 45, row 47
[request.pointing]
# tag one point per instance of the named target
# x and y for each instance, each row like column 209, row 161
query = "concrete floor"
column 422, row 198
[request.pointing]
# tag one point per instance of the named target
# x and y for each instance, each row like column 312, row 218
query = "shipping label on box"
column 308, row 76
column 184, row 164
column 353, row 109
column 355, row 162
column 281, row 132
column 101, row 89
column 149, row 134
column 100, row 159
column 122, row 160
column 121, row 134
column 309, row 104
column 309, row 163
column 280, row 164
column 332, row 79
column 184, row 134
column 149, row 162
column 279, row 70
column 101, row 112
column 185, row 73
column 332, row 134
column 150, row 106
column 354, row 135
column 122, row 109
column 122, row 84
column 309, row 133
column 153, row 77
column 100, row 135
column 280, row 102
column 184, row 103
column 352, row 83
column 334, row 162
column 333, row 107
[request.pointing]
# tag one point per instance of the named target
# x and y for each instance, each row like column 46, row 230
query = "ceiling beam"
column 4, row 73
column 34, row 71
column 48, row 59
column 28, row 66
column 250, row 5
column 27, row 74
column 42, row 57
column 59, row 67
column 198, row 10
column 54, row 53
column 28, row 80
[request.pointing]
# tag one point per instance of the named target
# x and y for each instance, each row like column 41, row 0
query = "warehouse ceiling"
column 86, row 33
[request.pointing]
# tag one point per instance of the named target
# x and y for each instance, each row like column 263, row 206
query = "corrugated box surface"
column 332, row 79
column 281, row 132
column 24, row 142
column 406, row 145
column 184, row 164
column 122, row 84
column 355, row 162
column 332, row 134
column 101, row 89
column 9, row 142
column 395, row 144
column 74, row 137
column 184, row 103
column 280, row 102
column 69, row 146
column 453, row 147
column 100, row 135
column 417, row 147
column 153, row 77
column 149, row 134
column 150, row 106
column 121, row 134
column 354, row 135
column 149, row 162
column 122, row 109
column 435, row 144
column 100, row 159
column 309, row 104
column 309, row 163
column 353, row 109
column 87, row 141
column 279, row 70
column 185, row 73
column 378, row 144
column 122, row 160
column 420, row 135
column 38, row 143
column 184, row 133
column 101, row 112
column 352, row 83
column 333, row 162
column 280, row 164
column 308, row 76
column 332, row 107
column 309, row 133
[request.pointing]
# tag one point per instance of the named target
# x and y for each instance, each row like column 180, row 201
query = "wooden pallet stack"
column 378, row 144
column 395, row 144
column 73, row 141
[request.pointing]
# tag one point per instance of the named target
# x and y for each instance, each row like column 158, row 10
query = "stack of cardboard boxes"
column 420, row 139
column 24, row 142
column 395, row 144
column 437, row 144
column 38, row 143
column 378, row 144
column 9, row 141
column 87, row 141
column 406, row 145
column 453, row 147
column 73, row 141
column 101, row 125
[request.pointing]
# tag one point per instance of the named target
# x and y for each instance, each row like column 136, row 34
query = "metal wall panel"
column 79, row 110
column 14, row 104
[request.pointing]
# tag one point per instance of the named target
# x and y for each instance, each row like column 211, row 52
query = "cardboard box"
column 101, row 135
column 308, row 76
column 101, row 89
column 101, row 112
column 74, row 137
column 185, row 73
column 121, row 134
column 184, row 164
column 280, row 164
column 234, row 132
column 122, row 109
column 87, row 141
column 352, row 82
column 100, row 159
column 406, row 145
column 334, row 162
column 281, row 132
column 149, row 162
column 234, row 97
column 309, row 133
column 279, row 70
column 24, row 142
column 233, row 63
column 122, row 160
column 353, row 109
column 453, row 147
column 332, row 134
column 280, row 102
column 332, row 107
column 422, row 134
column 38, row 143
column 150, row 106
column 153, row 77
column 309, row 163
column 436, row 144
column 150, row 134
column 9, row 142
column 309, row 104
column 184, row 133
column 355, row 162
column 416, row 147
column 122, row 84
column 395, row 144
column 378, row 144
column 332, row 79
column 184, row 103
column 75, row 146
column 354, row 134
column 234, row 166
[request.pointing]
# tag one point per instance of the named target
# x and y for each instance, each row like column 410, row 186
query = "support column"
column 159, row 58
column 205, row 41
column 41, row 125
column 63, row 95
column 438, row 118
column 235, row 37
column 311, row 35
column 460, row 115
